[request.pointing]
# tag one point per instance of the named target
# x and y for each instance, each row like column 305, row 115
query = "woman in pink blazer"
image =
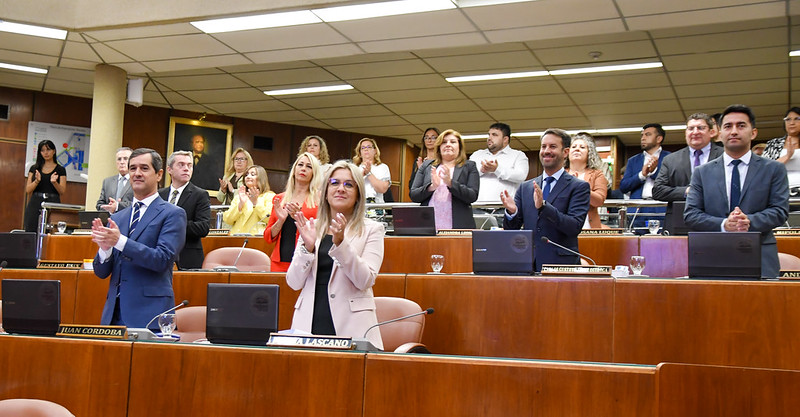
column 336, row 261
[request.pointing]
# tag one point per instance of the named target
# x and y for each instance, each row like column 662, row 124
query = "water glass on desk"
column 437, row 263
column 637, row 265
column 62, row 227
column 167, row 324
column 652, row 226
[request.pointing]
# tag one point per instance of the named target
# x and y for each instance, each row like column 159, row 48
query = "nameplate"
column 90, row 331
column 789, row 274
column 309, row 341
column 583, row 270
column 454, row 232
column 218, row 232
column 603, row 232
column 60, row 265
column 786, row 232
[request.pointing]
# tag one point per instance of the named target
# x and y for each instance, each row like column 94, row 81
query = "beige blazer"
column 356, row 262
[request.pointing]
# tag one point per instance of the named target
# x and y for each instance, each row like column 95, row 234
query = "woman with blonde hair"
column 585, row 163
column 301, row 195
column 337, row 260
column 252, row 204
column 316, row 146
column 377, row 177
column 234, row 175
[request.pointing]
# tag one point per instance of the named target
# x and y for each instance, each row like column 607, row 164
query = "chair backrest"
column 788, row 261
column 251, row 259
column 23, row 407
column 190, row 323
column 1, row 315
column 403, row 331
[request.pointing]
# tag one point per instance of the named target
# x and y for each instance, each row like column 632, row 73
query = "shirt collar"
column 745, row 158
column 557, row 175
column 656, row 154
column 147, row 200
column 180, row 189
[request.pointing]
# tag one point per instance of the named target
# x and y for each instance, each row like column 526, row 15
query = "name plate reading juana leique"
column 786, row 232
column 309, row 341
column 603, row 232
column 789, row 274
column 90, row 331
column 591, row 270
column 60, row 265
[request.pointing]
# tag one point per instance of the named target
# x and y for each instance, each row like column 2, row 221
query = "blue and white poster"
column 72, row 147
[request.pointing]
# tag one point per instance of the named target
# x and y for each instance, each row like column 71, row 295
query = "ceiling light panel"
column 263, row 21
column 32, row 30
column 308, row 90
column 391, row 8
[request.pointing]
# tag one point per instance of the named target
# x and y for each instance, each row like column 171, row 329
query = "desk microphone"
column 182, row 304
column 3, row 265
column 232, row 268
column 145, row 333
column 630, row 226
column 426, row 311
column 546, row 240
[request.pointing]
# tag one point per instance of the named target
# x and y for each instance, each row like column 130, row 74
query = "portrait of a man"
column 209, row 144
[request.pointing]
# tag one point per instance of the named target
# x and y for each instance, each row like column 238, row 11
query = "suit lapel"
column 753, row 171
column 718, row 166
column 187, row 192
column 685, row 167
column 559, row 185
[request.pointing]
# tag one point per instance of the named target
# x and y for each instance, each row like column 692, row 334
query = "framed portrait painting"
column 209, row 143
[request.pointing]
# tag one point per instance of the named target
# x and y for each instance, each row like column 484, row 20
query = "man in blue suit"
column 553, row 205
column 642, row 170
column 139, row 246
column 740, row 191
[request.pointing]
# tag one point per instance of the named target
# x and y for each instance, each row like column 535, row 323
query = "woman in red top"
column 302, row 194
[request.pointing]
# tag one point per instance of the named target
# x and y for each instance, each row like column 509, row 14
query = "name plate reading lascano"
column 90, row 331
column 591, row 270
column 309, row 341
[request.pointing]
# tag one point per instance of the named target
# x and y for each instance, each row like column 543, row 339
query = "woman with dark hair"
column 47, row 180
column 784, row 149
column 450, row 183
column 428, row 152
column 337, row 260
column 377, row 177
column 234, row 175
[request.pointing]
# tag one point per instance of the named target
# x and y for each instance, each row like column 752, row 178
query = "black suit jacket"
column 674, row 178
column 197, row 205
column 464, row 189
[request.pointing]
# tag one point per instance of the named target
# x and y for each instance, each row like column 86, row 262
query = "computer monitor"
column 502, row 252
column 414, row 221
column 724, row 255
column 86, row 217
column 31, row 306
column 18, row 249
column 241, row 314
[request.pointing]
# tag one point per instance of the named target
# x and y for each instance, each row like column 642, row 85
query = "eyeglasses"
column 791, row 119
column 430, row 137
column 240, row 159
column 348, row 185
column 365, row 147
column 698, row 128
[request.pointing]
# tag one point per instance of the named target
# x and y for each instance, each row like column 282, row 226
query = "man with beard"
column 553, row 205
column 500, row 167
column 642, row 171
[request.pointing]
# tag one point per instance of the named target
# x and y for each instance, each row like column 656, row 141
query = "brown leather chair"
column 789, row 262
column 1, row 315
column 190, row 323
column 251, row 260
column 405, row 335
column 23, row 407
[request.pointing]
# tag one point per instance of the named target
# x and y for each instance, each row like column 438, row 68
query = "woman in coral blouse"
column 585, row 163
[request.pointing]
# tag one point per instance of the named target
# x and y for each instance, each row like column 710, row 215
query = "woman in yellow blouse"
column 252, row 204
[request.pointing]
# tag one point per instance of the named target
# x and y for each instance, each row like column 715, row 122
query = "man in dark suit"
column 553, row 205
column 138, row 248
column 672, row 182
column 194, row 201
column 740, row 191
column 642, row 170
column 116, row 192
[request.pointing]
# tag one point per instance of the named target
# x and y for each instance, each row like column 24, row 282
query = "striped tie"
column 174, row 197
column 135, row 217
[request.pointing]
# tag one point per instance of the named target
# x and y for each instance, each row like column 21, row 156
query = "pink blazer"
column 357, row 261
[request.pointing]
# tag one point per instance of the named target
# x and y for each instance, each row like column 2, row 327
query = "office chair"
column 23, row 407
column 788, row 262
column 1, row 316
column 404, row 336
column 190, row 323
column 251, row 259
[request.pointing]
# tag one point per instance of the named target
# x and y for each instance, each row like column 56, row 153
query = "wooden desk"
column 412, row 254
column 68, row 278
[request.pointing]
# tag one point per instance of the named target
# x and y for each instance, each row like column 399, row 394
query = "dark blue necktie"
column 135, row 217
column 548, row 184
column 736, row 191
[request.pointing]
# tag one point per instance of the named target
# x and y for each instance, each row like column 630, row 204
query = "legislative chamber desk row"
column 665, row 255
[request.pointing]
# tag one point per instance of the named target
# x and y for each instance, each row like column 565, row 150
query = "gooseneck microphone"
column 546, row 240
column 3, row 265
column 182, row 304
column 426, row 311
column 232, row 268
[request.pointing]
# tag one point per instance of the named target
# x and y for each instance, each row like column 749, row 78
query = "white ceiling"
column 715, row 53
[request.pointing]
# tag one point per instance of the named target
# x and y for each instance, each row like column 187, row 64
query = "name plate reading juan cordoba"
column 91, row 331
column 309, row 341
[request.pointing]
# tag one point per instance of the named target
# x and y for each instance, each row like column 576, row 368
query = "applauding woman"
column 252, row 203
column 301, row 195
column 449, row 183
column 47, row 180
column 428, row 152
column 234, row 175
column 377, row 177
column 337, row 260
column 584, row 163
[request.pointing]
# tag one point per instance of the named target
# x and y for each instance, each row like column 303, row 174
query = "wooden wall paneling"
column 412, row 254
column 88, row 377
column 12, row 188
column 90, row 297
column 61, row 109
column 283, row 151
column 665, row 256
column 146, row 127
column 410, row 160
column 390, row 285
column 609, row 250
column 789, row 244
column 414, row 385
column 231, row 381
column 20, row 112
column 715, row 391
column 517, row 317
column 731, row 323
column 193, row 285
column 68, row 280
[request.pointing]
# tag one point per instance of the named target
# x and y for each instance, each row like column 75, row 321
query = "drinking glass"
column 62, row 227
column 653, row 226
column 637, row 264
column 437, row 263
column 167, row 324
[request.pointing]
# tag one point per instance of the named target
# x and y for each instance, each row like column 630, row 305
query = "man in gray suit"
column 740, row 191
column 672, row 182
column 116, row 193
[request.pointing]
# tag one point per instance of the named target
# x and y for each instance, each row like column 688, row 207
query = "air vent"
column 262, row 142
column 4, row 110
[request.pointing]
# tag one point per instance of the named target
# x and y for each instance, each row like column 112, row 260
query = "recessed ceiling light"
column 795, row 53
column 23, row 68
column 32, row 30
column 570, row 71
column 263, row 21
column 475, row 3
column 307, row 90
column 389, row 8
column 505, row 76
